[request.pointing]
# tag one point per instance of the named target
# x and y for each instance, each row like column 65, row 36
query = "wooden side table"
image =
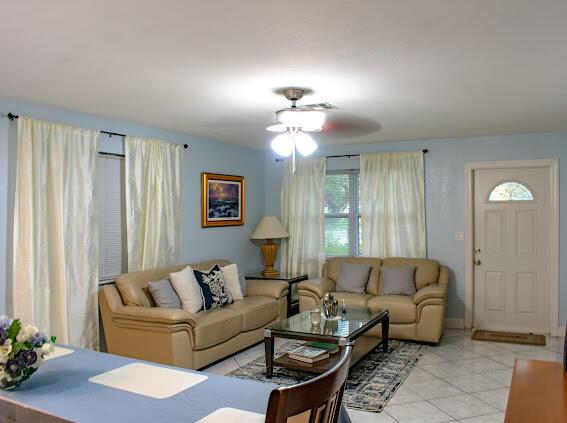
column 291, row 279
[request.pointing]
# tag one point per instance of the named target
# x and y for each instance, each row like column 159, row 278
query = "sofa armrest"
column 170, row 316
column 317, row 286
column 266, row 288
column 444, row 275
column 437, row 290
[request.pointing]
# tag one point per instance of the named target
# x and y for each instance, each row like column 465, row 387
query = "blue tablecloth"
column 61, row 387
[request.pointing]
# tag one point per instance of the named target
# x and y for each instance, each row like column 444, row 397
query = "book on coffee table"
column 308, row 354
column 327, row 346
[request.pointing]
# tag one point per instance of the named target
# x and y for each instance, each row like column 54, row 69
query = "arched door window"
column 510, row 191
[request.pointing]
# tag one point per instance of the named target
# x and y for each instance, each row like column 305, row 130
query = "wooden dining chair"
column 319, row 399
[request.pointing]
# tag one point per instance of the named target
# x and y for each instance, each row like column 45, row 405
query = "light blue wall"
column 444, row 174
column 202, row 156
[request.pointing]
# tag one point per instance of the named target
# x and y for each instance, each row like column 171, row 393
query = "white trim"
column 560, row 331
column 454, row 323
column 553, row 165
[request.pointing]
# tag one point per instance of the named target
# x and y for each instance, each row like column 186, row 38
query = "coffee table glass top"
column 349, row 324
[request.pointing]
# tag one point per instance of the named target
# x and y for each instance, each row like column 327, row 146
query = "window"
column 510, row 191
column 342, row 213
column 111, row 216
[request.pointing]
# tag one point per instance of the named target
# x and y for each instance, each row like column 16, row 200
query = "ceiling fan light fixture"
column 304, row 143
column 278, row 127
column 283, row 144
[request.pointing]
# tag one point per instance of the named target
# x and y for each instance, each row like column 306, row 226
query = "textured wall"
column 202, row 156
column 444, row 174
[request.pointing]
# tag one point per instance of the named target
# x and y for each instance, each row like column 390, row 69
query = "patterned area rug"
column 371, row 382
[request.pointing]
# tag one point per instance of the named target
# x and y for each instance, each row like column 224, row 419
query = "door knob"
column 477, row 262
column 477, row 251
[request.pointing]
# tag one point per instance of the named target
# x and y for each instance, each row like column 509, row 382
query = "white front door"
column 512, row 220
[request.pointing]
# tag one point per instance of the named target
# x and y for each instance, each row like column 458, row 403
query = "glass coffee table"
column 349, row 329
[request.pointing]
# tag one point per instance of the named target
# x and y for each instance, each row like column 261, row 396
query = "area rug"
column 371, row 382
column 508, row 337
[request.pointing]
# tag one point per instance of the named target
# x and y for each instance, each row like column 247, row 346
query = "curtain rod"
column 12, row 116
column 347, row 155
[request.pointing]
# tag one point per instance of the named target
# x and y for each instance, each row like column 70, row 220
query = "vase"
column 330, row 305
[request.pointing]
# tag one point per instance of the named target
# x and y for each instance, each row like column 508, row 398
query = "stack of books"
column 312, row 352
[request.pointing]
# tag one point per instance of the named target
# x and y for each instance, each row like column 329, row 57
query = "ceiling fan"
column 293, row 122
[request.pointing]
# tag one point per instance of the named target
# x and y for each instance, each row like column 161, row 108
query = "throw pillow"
column 353, row 278
column 397, row 280
column 242, row 280
column 213, row 288
column 232, row 280
column 187, row 289
column 163, row 294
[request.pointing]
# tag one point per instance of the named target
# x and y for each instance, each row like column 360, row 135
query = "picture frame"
column 222, row 200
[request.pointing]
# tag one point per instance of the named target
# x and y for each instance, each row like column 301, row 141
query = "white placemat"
column 151, row 381
column 58, row 352
column 227, row 414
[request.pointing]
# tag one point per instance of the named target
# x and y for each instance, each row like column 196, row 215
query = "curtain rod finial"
column 185, row 146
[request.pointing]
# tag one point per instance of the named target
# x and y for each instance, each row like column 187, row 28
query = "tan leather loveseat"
column 134, row 327
column 419, row 317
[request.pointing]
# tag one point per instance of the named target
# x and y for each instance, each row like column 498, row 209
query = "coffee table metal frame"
column 362, row 344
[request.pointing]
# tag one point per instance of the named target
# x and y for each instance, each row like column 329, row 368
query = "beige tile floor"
column 460, row 380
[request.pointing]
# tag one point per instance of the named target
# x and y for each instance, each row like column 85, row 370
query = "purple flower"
column 3, row 336
column 28, row 357
column 5, row 322
column 13, row 367
column 38, row 339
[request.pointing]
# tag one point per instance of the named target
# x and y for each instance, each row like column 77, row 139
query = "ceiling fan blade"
column 349, row 126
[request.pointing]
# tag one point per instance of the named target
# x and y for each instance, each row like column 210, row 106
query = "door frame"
column 553, row 167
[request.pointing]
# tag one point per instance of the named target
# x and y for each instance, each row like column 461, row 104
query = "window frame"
column 512, row 200
column 353, row 215
column 106, row 279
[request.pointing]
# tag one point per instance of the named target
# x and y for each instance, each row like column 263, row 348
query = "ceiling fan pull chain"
column 293, row 159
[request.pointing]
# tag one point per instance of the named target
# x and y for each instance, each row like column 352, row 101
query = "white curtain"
column 55, row 232
column 153, row 203
column 302, row 199
column 392, row 204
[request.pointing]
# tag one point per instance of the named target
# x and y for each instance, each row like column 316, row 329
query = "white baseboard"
column 454, row 323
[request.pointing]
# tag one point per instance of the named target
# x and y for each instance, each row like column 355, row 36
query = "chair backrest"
column 320, row 397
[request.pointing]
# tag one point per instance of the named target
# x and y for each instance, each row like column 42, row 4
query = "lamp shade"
column 269, row 227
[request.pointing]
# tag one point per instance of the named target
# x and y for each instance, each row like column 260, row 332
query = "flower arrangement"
column 22, row 350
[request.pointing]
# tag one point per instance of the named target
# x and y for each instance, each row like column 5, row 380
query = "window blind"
column 111, row 216
column 342, row 213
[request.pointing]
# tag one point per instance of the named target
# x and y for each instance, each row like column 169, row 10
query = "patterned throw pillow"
column 213, row 288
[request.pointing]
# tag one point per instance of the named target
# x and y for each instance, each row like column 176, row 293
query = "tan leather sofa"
column 135, row 327
column 419, row 317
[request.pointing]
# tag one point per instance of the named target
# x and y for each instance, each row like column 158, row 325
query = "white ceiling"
column 397, row 69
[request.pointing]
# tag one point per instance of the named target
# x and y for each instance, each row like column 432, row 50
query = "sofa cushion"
column 353, row 278
column 256, row 311
column 187, row 289
column 232, row 278
column 163, row 294
column 402, row 308
column 133, row 287
column 332, row 270
column 397, row 280
column 213, row 327
column 352, row 299
column 213, row 288
column 427, row 271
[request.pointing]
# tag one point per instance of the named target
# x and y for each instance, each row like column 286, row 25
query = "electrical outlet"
column 459, row 236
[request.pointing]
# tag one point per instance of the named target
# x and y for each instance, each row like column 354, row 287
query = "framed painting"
column 222, row 202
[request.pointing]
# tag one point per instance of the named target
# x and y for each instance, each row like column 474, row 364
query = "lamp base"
column 270, row 252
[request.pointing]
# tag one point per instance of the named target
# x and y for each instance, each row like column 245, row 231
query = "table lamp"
column 269, row 228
